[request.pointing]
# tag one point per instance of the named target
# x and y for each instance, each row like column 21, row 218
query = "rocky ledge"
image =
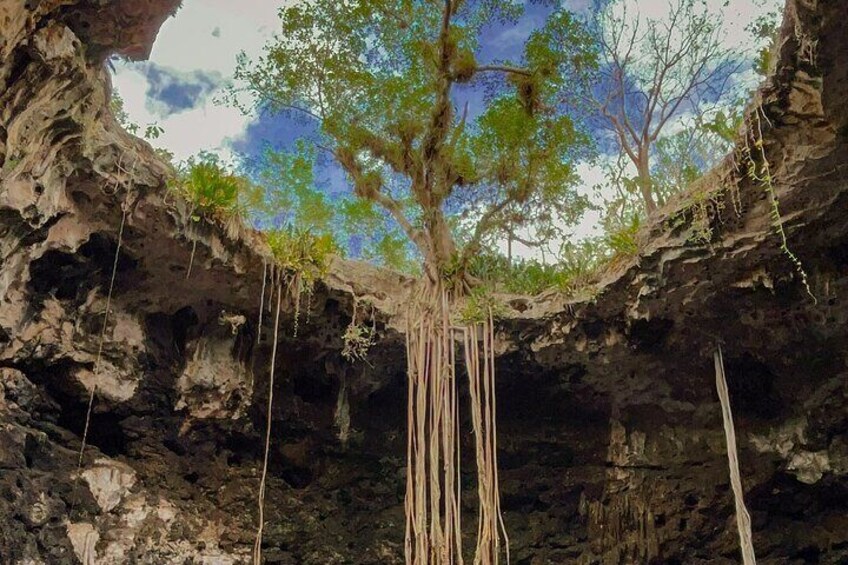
column 610, row 431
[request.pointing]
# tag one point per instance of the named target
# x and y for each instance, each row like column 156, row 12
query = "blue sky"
column 194, row 58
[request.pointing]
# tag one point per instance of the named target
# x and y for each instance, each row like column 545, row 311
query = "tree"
column 652, row 71
column 378, row 78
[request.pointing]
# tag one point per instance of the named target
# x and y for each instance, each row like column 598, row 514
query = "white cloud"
column 736, row 15
column 205, row 35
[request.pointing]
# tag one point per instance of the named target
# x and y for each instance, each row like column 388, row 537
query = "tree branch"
column 482, row 226
column 503, row 69
column 354, row 169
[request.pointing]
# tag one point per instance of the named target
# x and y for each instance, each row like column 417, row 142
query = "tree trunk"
column 442, row 248
column 646, row 183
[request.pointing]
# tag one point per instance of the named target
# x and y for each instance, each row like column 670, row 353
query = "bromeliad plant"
column 211, row 188
column 213, row 191
column 378, row 78
column 300, row 259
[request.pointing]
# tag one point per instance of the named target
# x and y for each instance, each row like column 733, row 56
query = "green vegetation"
column 672, row 63
column 479, row 306
column 150, row 132
column 433, row 183
column 292, row 199
column 577, row 269
column 10, row 164
column 438, row 180
column 376, row 78
column 208, row 186
column 759, row 171
column 623, row 239
column 359, row 336
column 302, row 252
column 214, row 190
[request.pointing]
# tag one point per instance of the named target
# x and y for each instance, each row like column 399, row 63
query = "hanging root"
column 257, row 545
column 433, row 520
column 743, row 519
column 432, row 487
column 272, row 280
column 481, row 386
column 100, row 345
column 296, row 286
column 191, row 259
column 261, row 302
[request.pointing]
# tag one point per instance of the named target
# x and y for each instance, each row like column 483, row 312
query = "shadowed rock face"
column 611, row 447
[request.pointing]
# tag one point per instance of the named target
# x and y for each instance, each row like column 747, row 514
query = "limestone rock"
column 611, row 446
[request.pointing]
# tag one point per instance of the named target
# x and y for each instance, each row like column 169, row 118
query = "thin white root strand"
column 743, row 519
column 100, row 344
column 257, row 546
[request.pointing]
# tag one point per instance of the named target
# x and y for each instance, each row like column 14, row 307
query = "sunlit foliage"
column 376, row 76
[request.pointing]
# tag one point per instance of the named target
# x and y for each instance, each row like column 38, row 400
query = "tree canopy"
column 378, row 78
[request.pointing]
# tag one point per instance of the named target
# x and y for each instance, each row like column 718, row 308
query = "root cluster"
column 433, row 490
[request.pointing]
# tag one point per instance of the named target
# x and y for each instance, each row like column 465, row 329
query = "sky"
column 194, row 57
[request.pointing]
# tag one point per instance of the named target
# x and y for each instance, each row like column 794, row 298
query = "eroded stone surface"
column 611, row 446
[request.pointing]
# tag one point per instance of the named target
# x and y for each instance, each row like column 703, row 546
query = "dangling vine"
column 98, row 358
column 297, row 264
column 302, row 258
column 262, row 301
column 763, row 175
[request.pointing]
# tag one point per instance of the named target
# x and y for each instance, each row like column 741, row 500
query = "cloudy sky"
column 194, row 57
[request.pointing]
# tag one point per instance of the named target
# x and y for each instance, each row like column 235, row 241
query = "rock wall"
column 610, row 431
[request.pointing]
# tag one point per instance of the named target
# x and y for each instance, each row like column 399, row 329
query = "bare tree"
column 652, row 70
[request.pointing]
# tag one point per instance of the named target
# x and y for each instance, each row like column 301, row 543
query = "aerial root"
column 433, row 490
column 257, row 545
column 99, row 356
column 743, row 519
column 261, row 301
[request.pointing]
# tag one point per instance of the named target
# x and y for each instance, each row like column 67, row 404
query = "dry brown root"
column 743, row 519
column 191, row 259
column 257, row 545
column 433, row 521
